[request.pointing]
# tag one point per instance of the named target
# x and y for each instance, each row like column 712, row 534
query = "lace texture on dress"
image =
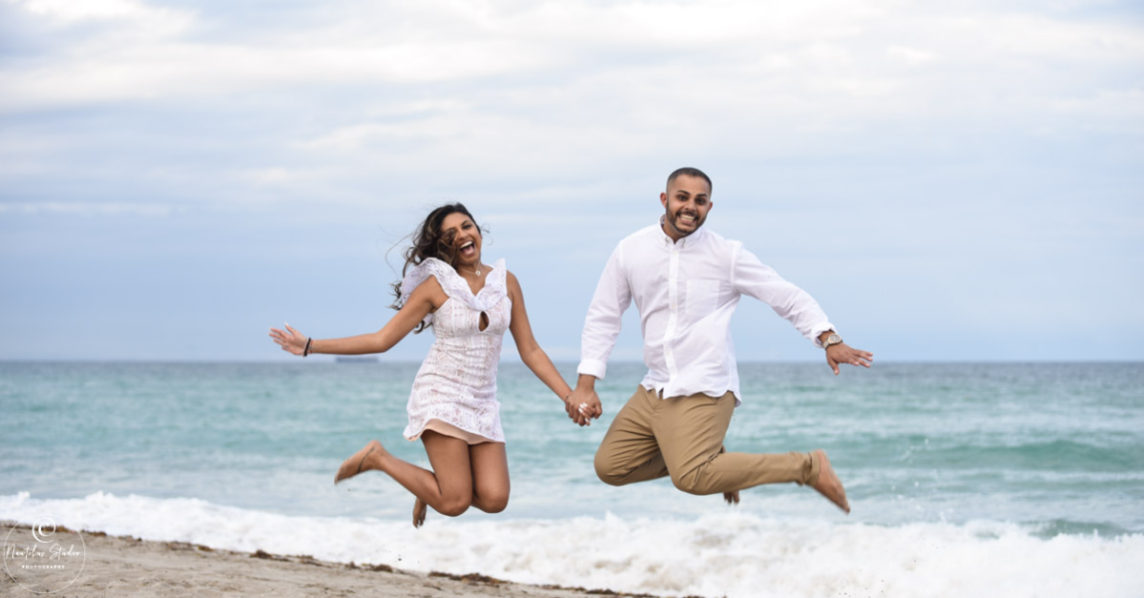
column 457, row 381
column 454, row 285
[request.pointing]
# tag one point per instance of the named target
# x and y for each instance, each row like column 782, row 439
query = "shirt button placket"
column 673, row 314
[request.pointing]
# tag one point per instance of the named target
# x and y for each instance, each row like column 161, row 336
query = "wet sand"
column 125, row 566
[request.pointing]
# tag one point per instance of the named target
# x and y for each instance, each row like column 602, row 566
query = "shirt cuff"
column 817, row 330
column 592, row 367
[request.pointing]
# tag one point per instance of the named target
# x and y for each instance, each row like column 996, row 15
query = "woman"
column 453, row 407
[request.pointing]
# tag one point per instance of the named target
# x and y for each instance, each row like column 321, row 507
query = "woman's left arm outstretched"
column 530, row 352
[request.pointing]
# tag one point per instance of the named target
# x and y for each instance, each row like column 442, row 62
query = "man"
column 686, row 282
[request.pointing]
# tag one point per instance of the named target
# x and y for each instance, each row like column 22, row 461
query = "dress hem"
column 447, row 429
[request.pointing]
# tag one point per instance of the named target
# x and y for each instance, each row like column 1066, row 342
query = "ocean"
column 998, row 479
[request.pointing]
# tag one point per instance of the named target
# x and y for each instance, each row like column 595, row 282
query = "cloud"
column 829, row 55
column 910, row 56
column 152, row 54
column 77, row 208
column 903, row 147
column 448, row 92
column 67, row 11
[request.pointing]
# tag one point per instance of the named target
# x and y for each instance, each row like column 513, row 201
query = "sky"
column 956, row 181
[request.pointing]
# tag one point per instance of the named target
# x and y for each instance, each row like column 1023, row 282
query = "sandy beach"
column 125, row 566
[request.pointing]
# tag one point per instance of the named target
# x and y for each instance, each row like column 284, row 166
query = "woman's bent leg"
column 490, row 476
column 448, row 488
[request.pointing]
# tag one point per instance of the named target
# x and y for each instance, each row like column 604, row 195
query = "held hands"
column 291, row 340
column 843, row 353
column 583, row 405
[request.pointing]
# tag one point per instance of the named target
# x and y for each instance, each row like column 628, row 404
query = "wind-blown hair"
column 427, row 243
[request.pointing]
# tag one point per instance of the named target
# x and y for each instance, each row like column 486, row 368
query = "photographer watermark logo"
column 45, row 558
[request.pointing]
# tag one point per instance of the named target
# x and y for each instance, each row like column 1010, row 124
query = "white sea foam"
column 729, row 554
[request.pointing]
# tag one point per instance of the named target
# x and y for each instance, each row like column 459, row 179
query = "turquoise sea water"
column 1052, row 453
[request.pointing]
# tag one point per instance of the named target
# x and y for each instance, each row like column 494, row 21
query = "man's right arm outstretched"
column 601, row 327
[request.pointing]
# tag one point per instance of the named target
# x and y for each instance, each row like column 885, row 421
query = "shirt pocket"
column 702, row 297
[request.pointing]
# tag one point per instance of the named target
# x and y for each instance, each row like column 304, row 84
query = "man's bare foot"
column 418, row 513
column 828, row 483
column 364, row 460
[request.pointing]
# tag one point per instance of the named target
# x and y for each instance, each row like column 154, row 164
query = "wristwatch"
column 833, row 339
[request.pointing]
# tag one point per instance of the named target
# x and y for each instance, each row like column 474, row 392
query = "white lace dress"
column 457, row 382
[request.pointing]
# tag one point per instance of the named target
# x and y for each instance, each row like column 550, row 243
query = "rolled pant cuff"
column 810, row 469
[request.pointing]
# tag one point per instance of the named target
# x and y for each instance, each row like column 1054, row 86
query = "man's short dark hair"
column 689, row 171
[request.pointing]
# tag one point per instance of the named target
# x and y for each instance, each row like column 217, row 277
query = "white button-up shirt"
column 685, row 292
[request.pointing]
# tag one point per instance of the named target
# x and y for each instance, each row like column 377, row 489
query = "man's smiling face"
column 686, row 202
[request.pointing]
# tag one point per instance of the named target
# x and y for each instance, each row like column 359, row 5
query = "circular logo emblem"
column 45, row 558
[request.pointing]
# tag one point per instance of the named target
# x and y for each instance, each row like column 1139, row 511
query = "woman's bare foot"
column 364, row 460
column 828, row 483
column 418, row 513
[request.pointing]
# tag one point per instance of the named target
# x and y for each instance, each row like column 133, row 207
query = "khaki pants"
column 683, row 437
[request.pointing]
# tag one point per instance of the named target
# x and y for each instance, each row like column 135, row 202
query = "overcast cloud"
column 960, row 181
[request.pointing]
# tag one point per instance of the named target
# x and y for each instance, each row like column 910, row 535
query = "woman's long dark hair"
column 427, row 243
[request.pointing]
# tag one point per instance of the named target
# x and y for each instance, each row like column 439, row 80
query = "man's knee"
column 692, row 482
column 606, row 471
